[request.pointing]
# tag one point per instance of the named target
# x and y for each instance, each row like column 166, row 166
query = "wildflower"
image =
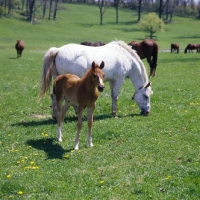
column 101, row 182
column 31, row 162
column 8, row 176
column 66, row 156
column 20, row 192
column 18, row 162
column 35, row 167
column 30, row 147
column 168, row 177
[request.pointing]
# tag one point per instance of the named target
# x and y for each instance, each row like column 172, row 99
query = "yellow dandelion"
column 168, row 177
column 31, row 162
column 8, row 176
column 18, row 162
column 20, row 192
column 30, row 147
column 72, row 151
column 9, row 135
column 66, row 156
column 46, row 135
column 101, row 182
column 35, row 167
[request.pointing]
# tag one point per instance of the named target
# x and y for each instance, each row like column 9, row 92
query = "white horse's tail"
column 49, row 70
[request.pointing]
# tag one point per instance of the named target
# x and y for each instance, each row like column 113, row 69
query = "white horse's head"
column 142, row 98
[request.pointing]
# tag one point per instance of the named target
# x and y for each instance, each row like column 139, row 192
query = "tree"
column 139, row 9
column 116, row 5
column 103, row 6
column 151, row 23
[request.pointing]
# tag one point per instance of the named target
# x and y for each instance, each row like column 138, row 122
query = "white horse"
column 120, row 62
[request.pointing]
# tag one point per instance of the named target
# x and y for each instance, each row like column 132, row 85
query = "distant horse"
column 146, row 49
column 82, row 92
column 94, row 44
column 174, row 47
column 191, row 47
column 120, row 62
column 19, row 46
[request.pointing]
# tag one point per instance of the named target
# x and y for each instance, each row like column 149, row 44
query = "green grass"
column 134, row 157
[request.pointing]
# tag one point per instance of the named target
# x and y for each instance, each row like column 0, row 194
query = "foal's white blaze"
column 100, row 80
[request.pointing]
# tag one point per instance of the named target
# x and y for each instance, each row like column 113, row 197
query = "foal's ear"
column 102, row 65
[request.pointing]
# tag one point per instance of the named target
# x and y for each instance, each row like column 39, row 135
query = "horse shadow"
column 69, row 120
column 52, row 149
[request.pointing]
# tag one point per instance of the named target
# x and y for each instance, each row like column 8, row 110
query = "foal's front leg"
column 90, row 112
column 78, row 126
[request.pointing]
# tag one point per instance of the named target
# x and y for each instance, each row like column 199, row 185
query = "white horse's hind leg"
column 90, row 121
column 78, row 126
column 54, row 106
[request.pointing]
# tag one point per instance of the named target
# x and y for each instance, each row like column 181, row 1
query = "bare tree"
column 116, row 5
column 139, row 9
column 103, row 5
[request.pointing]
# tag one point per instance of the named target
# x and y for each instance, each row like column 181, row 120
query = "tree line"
column 165, row 9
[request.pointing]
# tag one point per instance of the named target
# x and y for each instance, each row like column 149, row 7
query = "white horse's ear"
column 102, row 65
column 148, row 84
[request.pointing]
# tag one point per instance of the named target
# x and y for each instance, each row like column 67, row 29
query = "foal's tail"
column 49, row 70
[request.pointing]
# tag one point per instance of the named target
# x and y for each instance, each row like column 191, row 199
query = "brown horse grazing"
column 174, row 47
column 146, row 49
column 191, row 47
column 94, row 44
column 82, row 92
column 19, row 47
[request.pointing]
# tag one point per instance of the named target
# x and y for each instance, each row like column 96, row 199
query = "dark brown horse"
column 146, row 49
column 191, row 47
column 94, row 44
column 78, row 91
column 19, row 47
column 174, row 47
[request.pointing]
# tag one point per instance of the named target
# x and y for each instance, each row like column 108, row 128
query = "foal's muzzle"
column 101, row 88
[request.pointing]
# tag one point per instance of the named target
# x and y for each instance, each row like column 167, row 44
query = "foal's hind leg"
column 90, row 112
column 61, row 112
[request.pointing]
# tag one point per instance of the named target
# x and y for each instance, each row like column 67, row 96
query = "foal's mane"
column 134, row 54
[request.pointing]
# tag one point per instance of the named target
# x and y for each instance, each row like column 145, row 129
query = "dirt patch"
column 41, row 116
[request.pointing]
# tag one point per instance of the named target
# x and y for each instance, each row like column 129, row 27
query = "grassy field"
column 134, row 157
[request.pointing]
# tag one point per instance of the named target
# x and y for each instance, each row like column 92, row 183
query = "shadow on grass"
column 50, row 147
column 52, row 121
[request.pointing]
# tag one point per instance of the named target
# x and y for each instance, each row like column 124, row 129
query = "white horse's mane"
column 133, row 53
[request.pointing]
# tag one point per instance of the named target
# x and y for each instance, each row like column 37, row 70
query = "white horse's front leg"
column 78, row 126
column 90, row 112
column 115, row 88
